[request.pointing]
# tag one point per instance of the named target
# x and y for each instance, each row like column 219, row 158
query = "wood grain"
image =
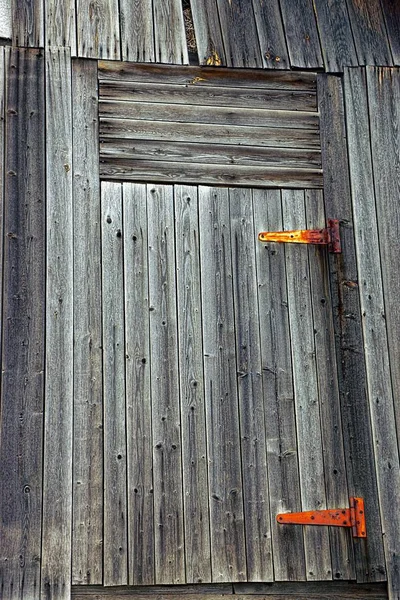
column 301, row 34
column 98, row 25
column 337, row 42
column 87, row 555
column 350, row 359
column 137, row 30
column 165, row 396
column 280, row 419
column 27, row 23
column 391, row 12
column 138, row 396
column 58, row 430
column 169, row 31
column 207, row 26
column 271, row 34
column 60, row 24
column 191, row 380
column 115, row 550
column 368, row 25
column 223, row 437
column 22, row 220
column 239, row 33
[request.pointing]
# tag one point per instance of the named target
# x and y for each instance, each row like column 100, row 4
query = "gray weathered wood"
column 391, row 11
column 301, row 34
column 206, row 76
column 169, row 172
column 280, row 419
column 337, row 493
column 210, row 154
column 250, row 388
column 239, row 33
column 138, row 400
column 202, row 114
column 337, row 42
column 58, row 431
column 60, row 24
column 87, row 553
column 207, row 26
column 98, row 29
column 191, row 379
column 27, row 23
column 165, row 397
column 360, row 466
column 6, row 19
column 196, row 590
column 137, row 30
column 22, row 219
column 368, row 25
column 208, row 96
column 115, row 551
column 374, row 324
column 271, row 34
column 169, row 31
column 307, row 400
column 225, row 478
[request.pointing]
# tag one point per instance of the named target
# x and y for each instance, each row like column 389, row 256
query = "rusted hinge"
column 353, row 517
column 330, row 236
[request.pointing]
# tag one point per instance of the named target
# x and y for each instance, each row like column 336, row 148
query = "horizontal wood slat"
column 247, row 128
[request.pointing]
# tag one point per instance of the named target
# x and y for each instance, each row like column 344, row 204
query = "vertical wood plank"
column 374, row 319
column 250, row 387
column 27, row 23
column 137, row 30
column 167, row 459
column 170, row 37
column 239, row 33
column 280, row 419
column 337, row 493
column 271, row 34
column 57, row 479
column 207, row 26
column 115, row 564
column 301, row 34
column 191, row 379
column 60, row 24
column 6, row 29
column 22, row 317
column 98, row 29
column 391, row 11
column 312, row 476
column 360, row 465
column 337, row 42
column 138, row 397
column 368, row 25
column 87, row 553
column 225, row 479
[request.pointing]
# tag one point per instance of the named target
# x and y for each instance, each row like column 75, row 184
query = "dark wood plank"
column 225, row 477
column 137, row 30
column 138, row 404
column 207, row 26
column 169, row 32
column 350, row 361
column 191, row 380
column 239, row 33
column 165, row 397
column 280, row 419
column 196, row 590
column 211, row 154
column 336, row 36
column 279, row 137
column 301, row 34
column 58, row 429
column 368, row 25
column 98, row 29
column 391, row 11
column 208, row 96
column 22, row 381
column 337, row 493
column 205, row 76
column 27, row 23
column 271, row 34
column 198, row 114
column 171, row 172
column 87, row 555
column 115, row 543
column 250, row 388
column 60, row 24
column 374, row 325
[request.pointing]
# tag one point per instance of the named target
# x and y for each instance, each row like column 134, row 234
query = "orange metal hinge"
column 353, row 517
column 326, row 237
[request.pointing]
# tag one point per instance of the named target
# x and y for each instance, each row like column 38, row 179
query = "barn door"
column 221, row 397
